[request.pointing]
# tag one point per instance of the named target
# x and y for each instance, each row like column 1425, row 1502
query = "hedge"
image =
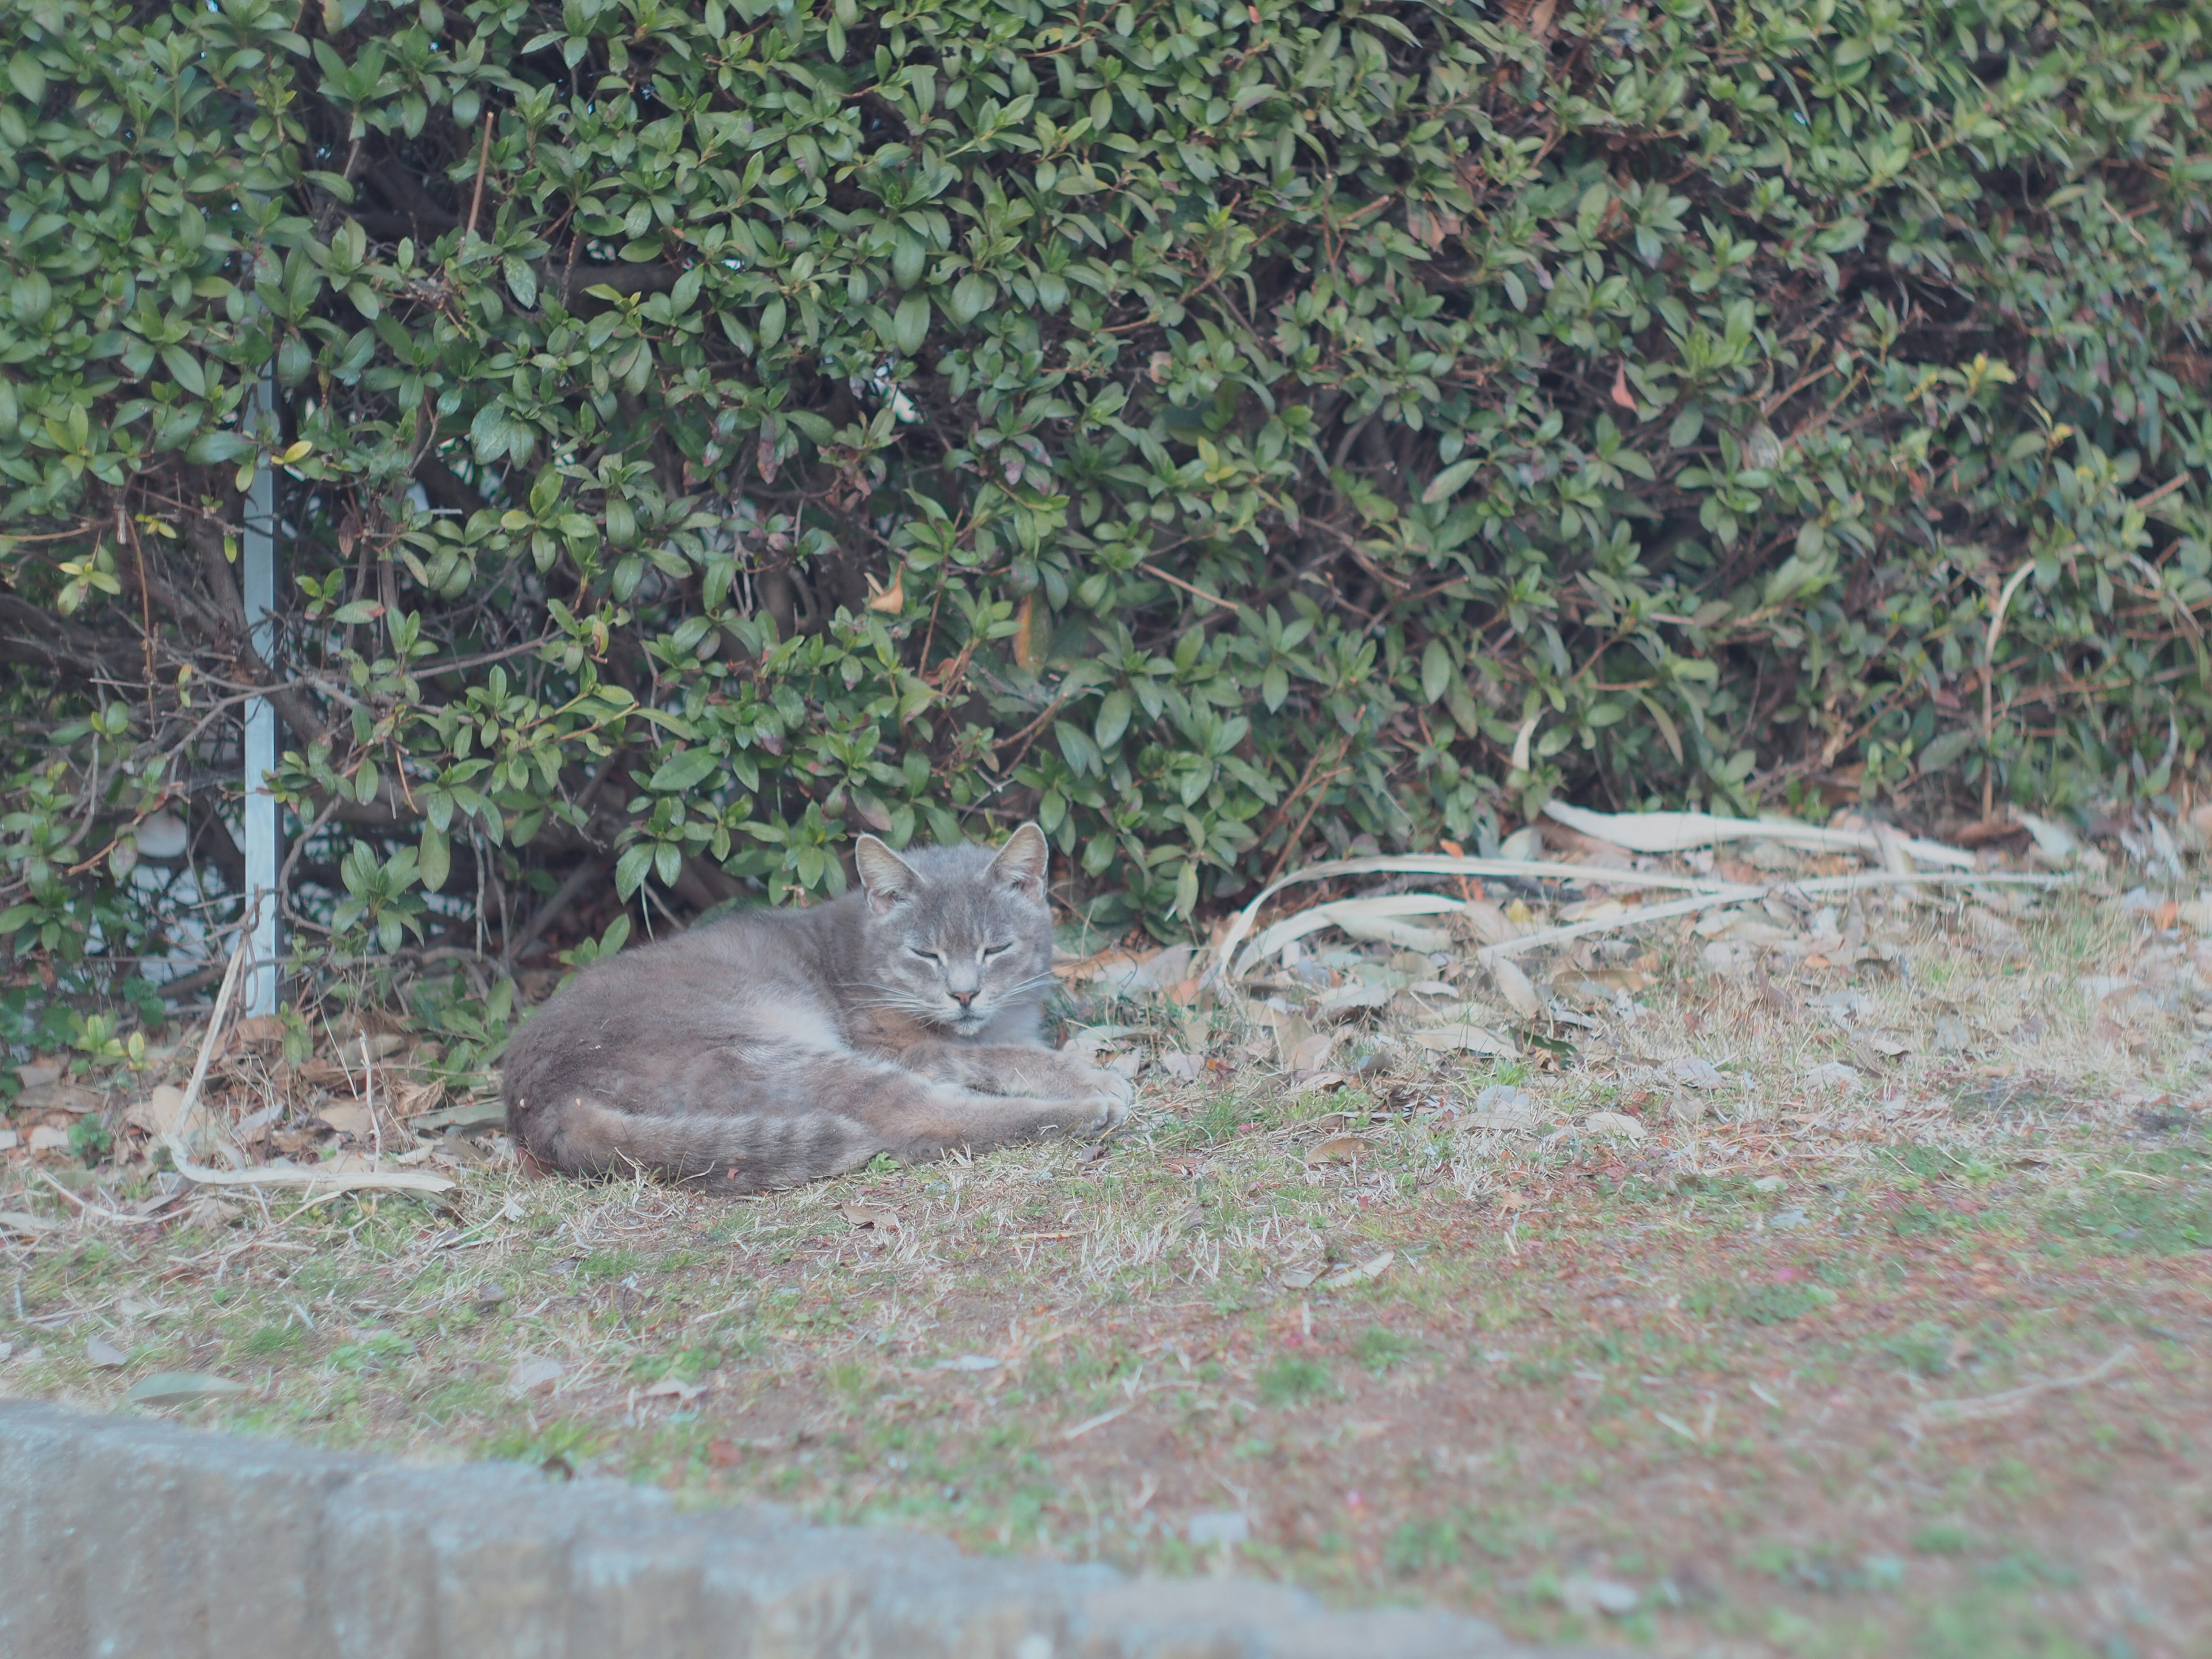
column 1227, row 433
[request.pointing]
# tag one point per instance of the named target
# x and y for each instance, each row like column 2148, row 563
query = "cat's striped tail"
column 716, row 1153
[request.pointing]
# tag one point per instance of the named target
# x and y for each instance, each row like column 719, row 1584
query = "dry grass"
column 1699, row 1355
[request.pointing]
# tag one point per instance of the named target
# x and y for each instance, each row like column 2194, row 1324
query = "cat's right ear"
column 888, row 877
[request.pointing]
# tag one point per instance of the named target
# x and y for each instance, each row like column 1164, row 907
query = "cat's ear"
column 888, row 877
column 1021, row 862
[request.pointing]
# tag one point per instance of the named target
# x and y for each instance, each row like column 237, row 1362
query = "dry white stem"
column 326, row 1184
column 1741, row 894
column 1678, row 832
column 1940, row 1411
column 1439, row 864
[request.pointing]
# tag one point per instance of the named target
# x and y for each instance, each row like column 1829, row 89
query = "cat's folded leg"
column 942, row 1117
column 1009, row 1068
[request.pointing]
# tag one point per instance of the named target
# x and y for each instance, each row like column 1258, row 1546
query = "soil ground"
column 1869, row 1314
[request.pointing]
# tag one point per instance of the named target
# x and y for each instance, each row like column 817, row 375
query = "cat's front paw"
column 1107, row 1096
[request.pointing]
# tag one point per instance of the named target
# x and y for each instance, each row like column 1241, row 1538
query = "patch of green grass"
column 684, row 1364
column 1944, row 1538
column 269, row 1339
column 610, row 1264
column 568, row 1439
column 1294, row 1378
column 1778, row 1305
column 1924, row 1349
column 2160, row 1204
column 1991, row 1623
column 372, row 1354
column 1380, row 1349
column 1421, row 1546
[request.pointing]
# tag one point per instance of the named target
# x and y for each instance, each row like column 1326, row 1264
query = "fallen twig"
column 1439, row 864
column 91, row 1208
column 1820, row 885
column 208, row 1040
column 1678, row 832
column 1939, row 1412
column 327, row 1183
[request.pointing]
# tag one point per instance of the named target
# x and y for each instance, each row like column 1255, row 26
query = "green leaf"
column 1942, row 751
column 29, row 78
column 1435, row 671
column 1113, row 718
column 435, row 859
column 1447, row 482
column 685, row 770
column 910, row 323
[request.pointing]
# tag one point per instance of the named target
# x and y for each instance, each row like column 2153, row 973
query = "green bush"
column 1224, row 431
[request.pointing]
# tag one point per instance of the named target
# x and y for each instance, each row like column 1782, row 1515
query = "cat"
column 780, row 1046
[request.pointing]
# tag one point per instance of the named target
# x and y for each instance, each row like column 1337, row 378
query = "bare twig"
column 483, row 160
column 1744, row 893
column 1939, row 1412
column 1438, row 864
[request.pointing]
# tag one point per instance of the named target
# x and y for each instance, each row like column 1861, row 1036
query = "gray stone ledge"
column 121, row 1536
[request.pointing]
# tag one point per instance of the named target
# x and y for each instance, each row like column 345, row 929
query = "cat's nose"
column 965, row 999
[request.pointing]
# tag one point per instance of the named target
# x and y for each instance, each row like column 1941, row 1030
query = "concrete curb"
column 121, row 1537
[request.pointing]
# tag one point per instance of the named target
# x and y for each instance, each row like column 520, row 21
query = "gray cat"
column 780, row 1046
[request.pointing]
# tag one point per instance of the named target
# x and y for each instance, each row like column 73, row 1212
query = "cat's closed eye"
column 926, row 956
column 993, row 951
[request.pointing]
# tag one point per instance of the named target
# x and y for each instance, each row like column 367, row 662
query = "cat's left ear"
column 1022, row 861
column 888, row 877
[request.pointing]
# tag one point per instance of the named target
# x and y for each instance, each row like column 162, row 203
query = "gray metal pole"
column 258, row 572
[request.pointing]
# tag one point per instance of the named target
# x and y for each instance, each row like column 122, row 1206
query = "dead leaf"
column 1621, row 394
column 1500, row 1122
column 1029, row 648
column 1992, row 928
column 259, row 1030
column 105, row 1354
column 1365, row 1270
column 180, row 1387
column 1613, row 1123
column 1312, row 1052
column 1600, row 983
column 1472, row 1039
column 1490, row 925
column 1339, row 1149
column 1514, row 986
column 870, row 1215
column 530, row 1374
column 1355, row 994
column 670, row 1389
column 45, row 1137
column 349, row 1120
column 1298, row 1277
column 159, row 1112
column 1695, row 1072
column 889, row 600
column 19, row 1221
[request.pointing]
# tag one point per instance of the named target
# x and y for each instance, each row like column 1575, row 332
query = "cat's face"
column 956, row 934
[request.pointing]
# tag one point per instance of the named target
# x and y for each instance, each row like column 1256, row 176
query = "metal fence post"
column 258, row 572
